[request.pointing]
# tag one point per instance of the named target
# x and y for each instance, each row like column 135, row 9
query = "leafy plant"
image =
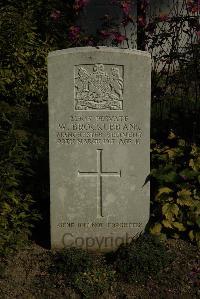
column 29, row 31
column 81, row 271
column 22, row 88
column 175, row 202
column 72, row 260
column 95, row 281
column 141, row 259
column 17, row 210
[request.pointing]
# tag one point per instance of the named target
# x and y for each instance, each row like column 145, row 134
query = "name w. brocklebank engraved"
column 98, row 89
column 100, row 127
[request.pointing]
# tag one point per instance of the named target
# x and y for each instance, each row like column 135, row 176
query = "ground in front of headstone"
column 35, row 272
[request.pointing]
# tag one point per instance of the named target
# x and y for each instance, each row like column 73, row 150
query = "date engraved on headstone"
column 99, row 174
column 98, row 87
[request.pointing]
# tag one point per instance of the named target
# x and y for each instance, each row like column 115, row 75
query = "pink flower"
column 141, row 21
column 126, row 7
column 163, row 17
column 143, row 5
column 55, row 15
column 193, row 6
column 119, row 38
column 198, row 36
column 80, row 4
column 105, row 34
column 74, row 32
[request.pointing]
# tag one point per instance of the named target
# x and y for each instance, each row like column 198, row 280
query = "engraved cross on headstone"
column 99, row 174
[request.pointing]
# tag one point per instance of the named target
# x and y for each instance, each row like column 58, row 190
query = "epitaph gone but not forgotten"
column 99, row 133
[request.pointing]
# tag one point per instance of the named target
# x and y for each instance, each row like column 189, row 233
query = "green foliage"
column 17, row 212
column 72, row 260
column 141, row 259
column 16, row 221
column 23, row 90
column 80, row 270
column 175, row 177
column 27, row 34
column 95, row 281
column 175, row 70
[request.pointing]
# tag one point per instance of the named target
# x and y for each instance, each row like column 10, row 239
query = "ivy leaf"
column 166, row 223
column 170, row 210
column 189, row 202
column 6, row 208
column 181, row 142
column 190, row 222
column 184, row 193
column 197, row 236
column 163, row 190
column 185, row 198
column 195, row 164
column 171, row 153
column 191, row 235
column 156, row 229
column 179, row 226
column 198, row 221
column 171, row 136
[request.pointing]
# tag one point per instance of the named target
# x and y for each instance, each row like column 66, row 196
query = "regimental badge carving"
column 99, row 87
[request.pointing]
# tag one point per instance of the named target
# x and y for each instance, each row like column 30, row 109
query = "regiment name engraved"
column 98, row 87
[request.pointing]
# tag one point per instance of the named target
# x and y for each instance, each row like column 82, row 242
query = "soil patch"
column 26, row 275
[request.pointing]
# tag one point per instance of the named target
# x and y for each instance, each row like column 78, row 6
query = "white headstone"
column 99, row 131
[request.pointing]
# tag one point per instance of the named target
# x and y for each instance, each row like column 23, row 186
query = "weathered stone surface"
column 99, row 132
